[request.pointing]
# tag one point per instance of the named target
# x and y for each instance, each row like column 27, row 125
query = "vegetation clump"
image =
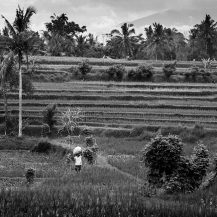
column 168, row 167
column 30, row 175
column 142, row 73
column 49, row 119
column 84, row 68
column 169, row 69
column 42, row 147
column 116, row 72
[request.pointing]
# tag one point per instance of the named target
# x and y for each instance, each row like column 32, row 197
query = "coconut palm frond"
column 9, row 27
column 29, row 12
column 131, row 32
column 115, row 32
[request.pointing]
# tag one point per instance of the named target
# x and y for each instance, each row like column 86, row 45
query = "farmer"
column 77, row 152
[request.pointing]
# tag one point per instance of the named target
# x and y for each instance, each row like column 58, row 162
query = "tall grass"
column 83, row 201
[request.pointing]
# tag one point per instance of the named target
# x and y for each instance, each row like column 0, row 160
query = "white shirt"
column 78, row 160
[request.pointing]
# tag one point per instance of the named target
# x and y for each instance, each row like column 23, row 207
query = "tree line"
column 64, row 37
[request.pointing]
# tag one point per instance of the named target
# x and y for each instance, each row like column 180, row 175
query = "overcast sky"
column 100, row 16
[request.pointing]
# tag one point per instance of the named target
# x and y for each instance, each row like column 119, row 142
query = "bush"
column 169, row 169
column 190, row 172
column 116, row 72
column 49, row 117
column 142, row 73
column 46, row 147
column 169, row 69
column 194, row 72
column 162, row 156
column 200, row 160
column 84, row 68
column 42, row 147
column 30, row 175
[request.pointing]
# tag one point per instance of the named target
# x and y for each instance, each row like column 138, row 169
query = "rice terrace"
column 125, row 125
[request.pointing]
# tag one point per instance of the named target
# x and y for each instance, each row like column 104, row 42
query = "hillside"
column 120, row 106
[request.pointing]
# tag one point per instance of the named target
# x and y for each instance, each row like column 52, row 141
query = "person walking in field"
column 77, row 152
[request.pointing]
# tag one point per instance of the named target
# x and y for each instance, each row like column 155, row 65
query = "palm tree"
column 207, row 30
column 18, row 36
column 124, row 39
column 155, row 39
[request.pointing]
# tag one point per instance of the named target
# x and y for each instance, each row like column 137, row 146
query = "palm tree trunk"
column 6, row 110
column 27, row 61
column 20, row 99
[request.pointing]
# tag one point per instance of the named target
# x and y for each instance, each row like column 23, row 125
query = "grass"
column 15, row 164
column 116, row 146
column 10, row 143
column 96, row 191
column 129, row 163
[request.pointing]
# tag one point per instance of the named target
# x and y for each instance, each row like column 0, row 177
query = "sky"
column 100, row 16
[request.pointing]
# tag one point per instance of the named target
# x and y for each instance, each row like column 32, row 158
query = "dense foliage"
column 116, row 72
column 170, row 169
column 142, row 73
column 64, row 37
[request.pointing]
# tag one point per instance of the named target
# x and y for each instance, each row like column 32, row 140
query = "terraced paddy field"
column 58, row 69
column 123, row 105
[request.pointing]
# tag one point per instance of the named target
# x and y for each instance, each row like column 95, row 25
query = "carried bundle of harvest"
column 77, row 150
column 90, row 153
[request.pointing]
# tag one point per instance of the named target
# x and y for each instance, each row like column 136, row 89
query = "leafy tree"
column 61, row 26
column 17, row 40
column 60, row 35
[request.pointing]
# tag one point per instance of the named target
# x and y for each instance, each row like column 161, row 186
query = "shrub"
column 200, row 160
column 194, row 72
column 49, row 117
column 169, row 169
column 46, row 147
column 142, row 73
column 162, row 156
column 84, row 68
column 116, row 72
column 42, row 147
column 190, row 172
column 30, row 175
column 169, row 69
